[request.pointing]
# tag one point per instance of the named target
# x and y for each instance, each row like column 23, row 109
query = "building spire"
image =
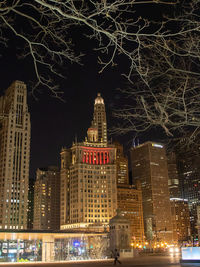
column 99, row 119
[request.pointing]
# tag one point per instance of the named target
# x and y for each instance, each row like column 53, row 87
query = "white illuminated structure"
column 190, row 254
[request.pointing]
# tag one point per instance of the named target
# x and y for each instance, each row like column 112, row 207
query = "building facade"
column 180, row 219
column 174, row 181
column 149, row 168
column 122, row 165
column 30, row 211
column 198, row 222
column 88, row 178
column 47, row 199
column 65, row 186
column 188, row 163
column 129, row 202
column 15, row 133
column 51, row 246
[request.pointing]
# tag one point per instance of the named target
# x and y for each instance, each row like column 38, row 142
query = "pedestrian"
column 116, row 256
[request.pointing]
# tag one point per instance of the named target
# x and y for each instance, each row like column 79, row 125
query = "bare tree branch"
column 163, row 55
column 44, row 27
column 164, row 91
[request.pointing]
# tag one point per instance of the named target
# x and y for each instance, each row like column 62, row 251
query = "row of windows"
column 91, row 220
column 119, row 227
column 97, row 216
column 12, row 227
column 91, row 210
column 88, row 167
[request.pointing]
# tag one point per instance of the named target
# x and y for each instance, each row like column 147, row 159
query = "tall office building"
column 149, row 167
column 188, row 163
column 122, row 165
column 47, row 199
column 129, row 199
column 88, row 178
column 174, row 183
column 180, row 219
column 14, row 157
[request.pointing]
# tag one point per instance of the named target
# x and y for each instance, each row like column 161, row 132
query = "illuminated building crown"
column 99, row 119
column 99, row 99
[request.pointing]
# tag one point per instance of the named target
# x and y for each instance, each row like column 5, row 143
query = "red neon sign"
column 96, row 156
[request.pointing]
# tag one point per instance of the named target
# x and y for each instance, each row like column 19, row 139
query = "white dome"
column 99, row 99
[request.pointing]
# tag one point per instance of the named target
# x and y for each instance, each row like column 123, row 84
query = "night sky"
column 54, row 123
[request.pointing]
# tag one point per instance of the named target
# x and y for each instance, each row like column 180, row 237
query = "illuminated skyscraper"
column 99, row 119
column 188, row 162
column 129, row 199
column 180, row 219
column 149, row 167
column 14, row 157
column 174, row 183
column 47, row 199
column 187, row 159
column 88, row 178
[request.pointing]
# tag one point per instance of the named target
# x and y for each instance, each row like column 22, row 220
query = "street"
column 146, row 261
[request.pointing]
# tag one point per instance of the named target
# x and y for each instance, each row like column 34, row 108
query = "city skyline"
column 82, row 80
column 93, row 184
column 47, row 141
column 50, row 118
column 99, row 129
column 80, row 85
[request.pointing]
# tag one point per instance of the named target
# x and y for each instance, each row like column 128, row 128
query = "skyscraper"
column 129, row 199
column 88, row 177
column 180, row 219
column 188, row 163
column 99, row 119
column 47, row 199
column 188, row 167
column 149, row 167
column 14, row 157
column 122, row 165
column 174, row 183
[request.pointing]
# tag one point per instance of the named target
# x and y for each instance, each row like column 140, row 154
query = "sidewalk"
column 108, row 262
column 146, row 261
